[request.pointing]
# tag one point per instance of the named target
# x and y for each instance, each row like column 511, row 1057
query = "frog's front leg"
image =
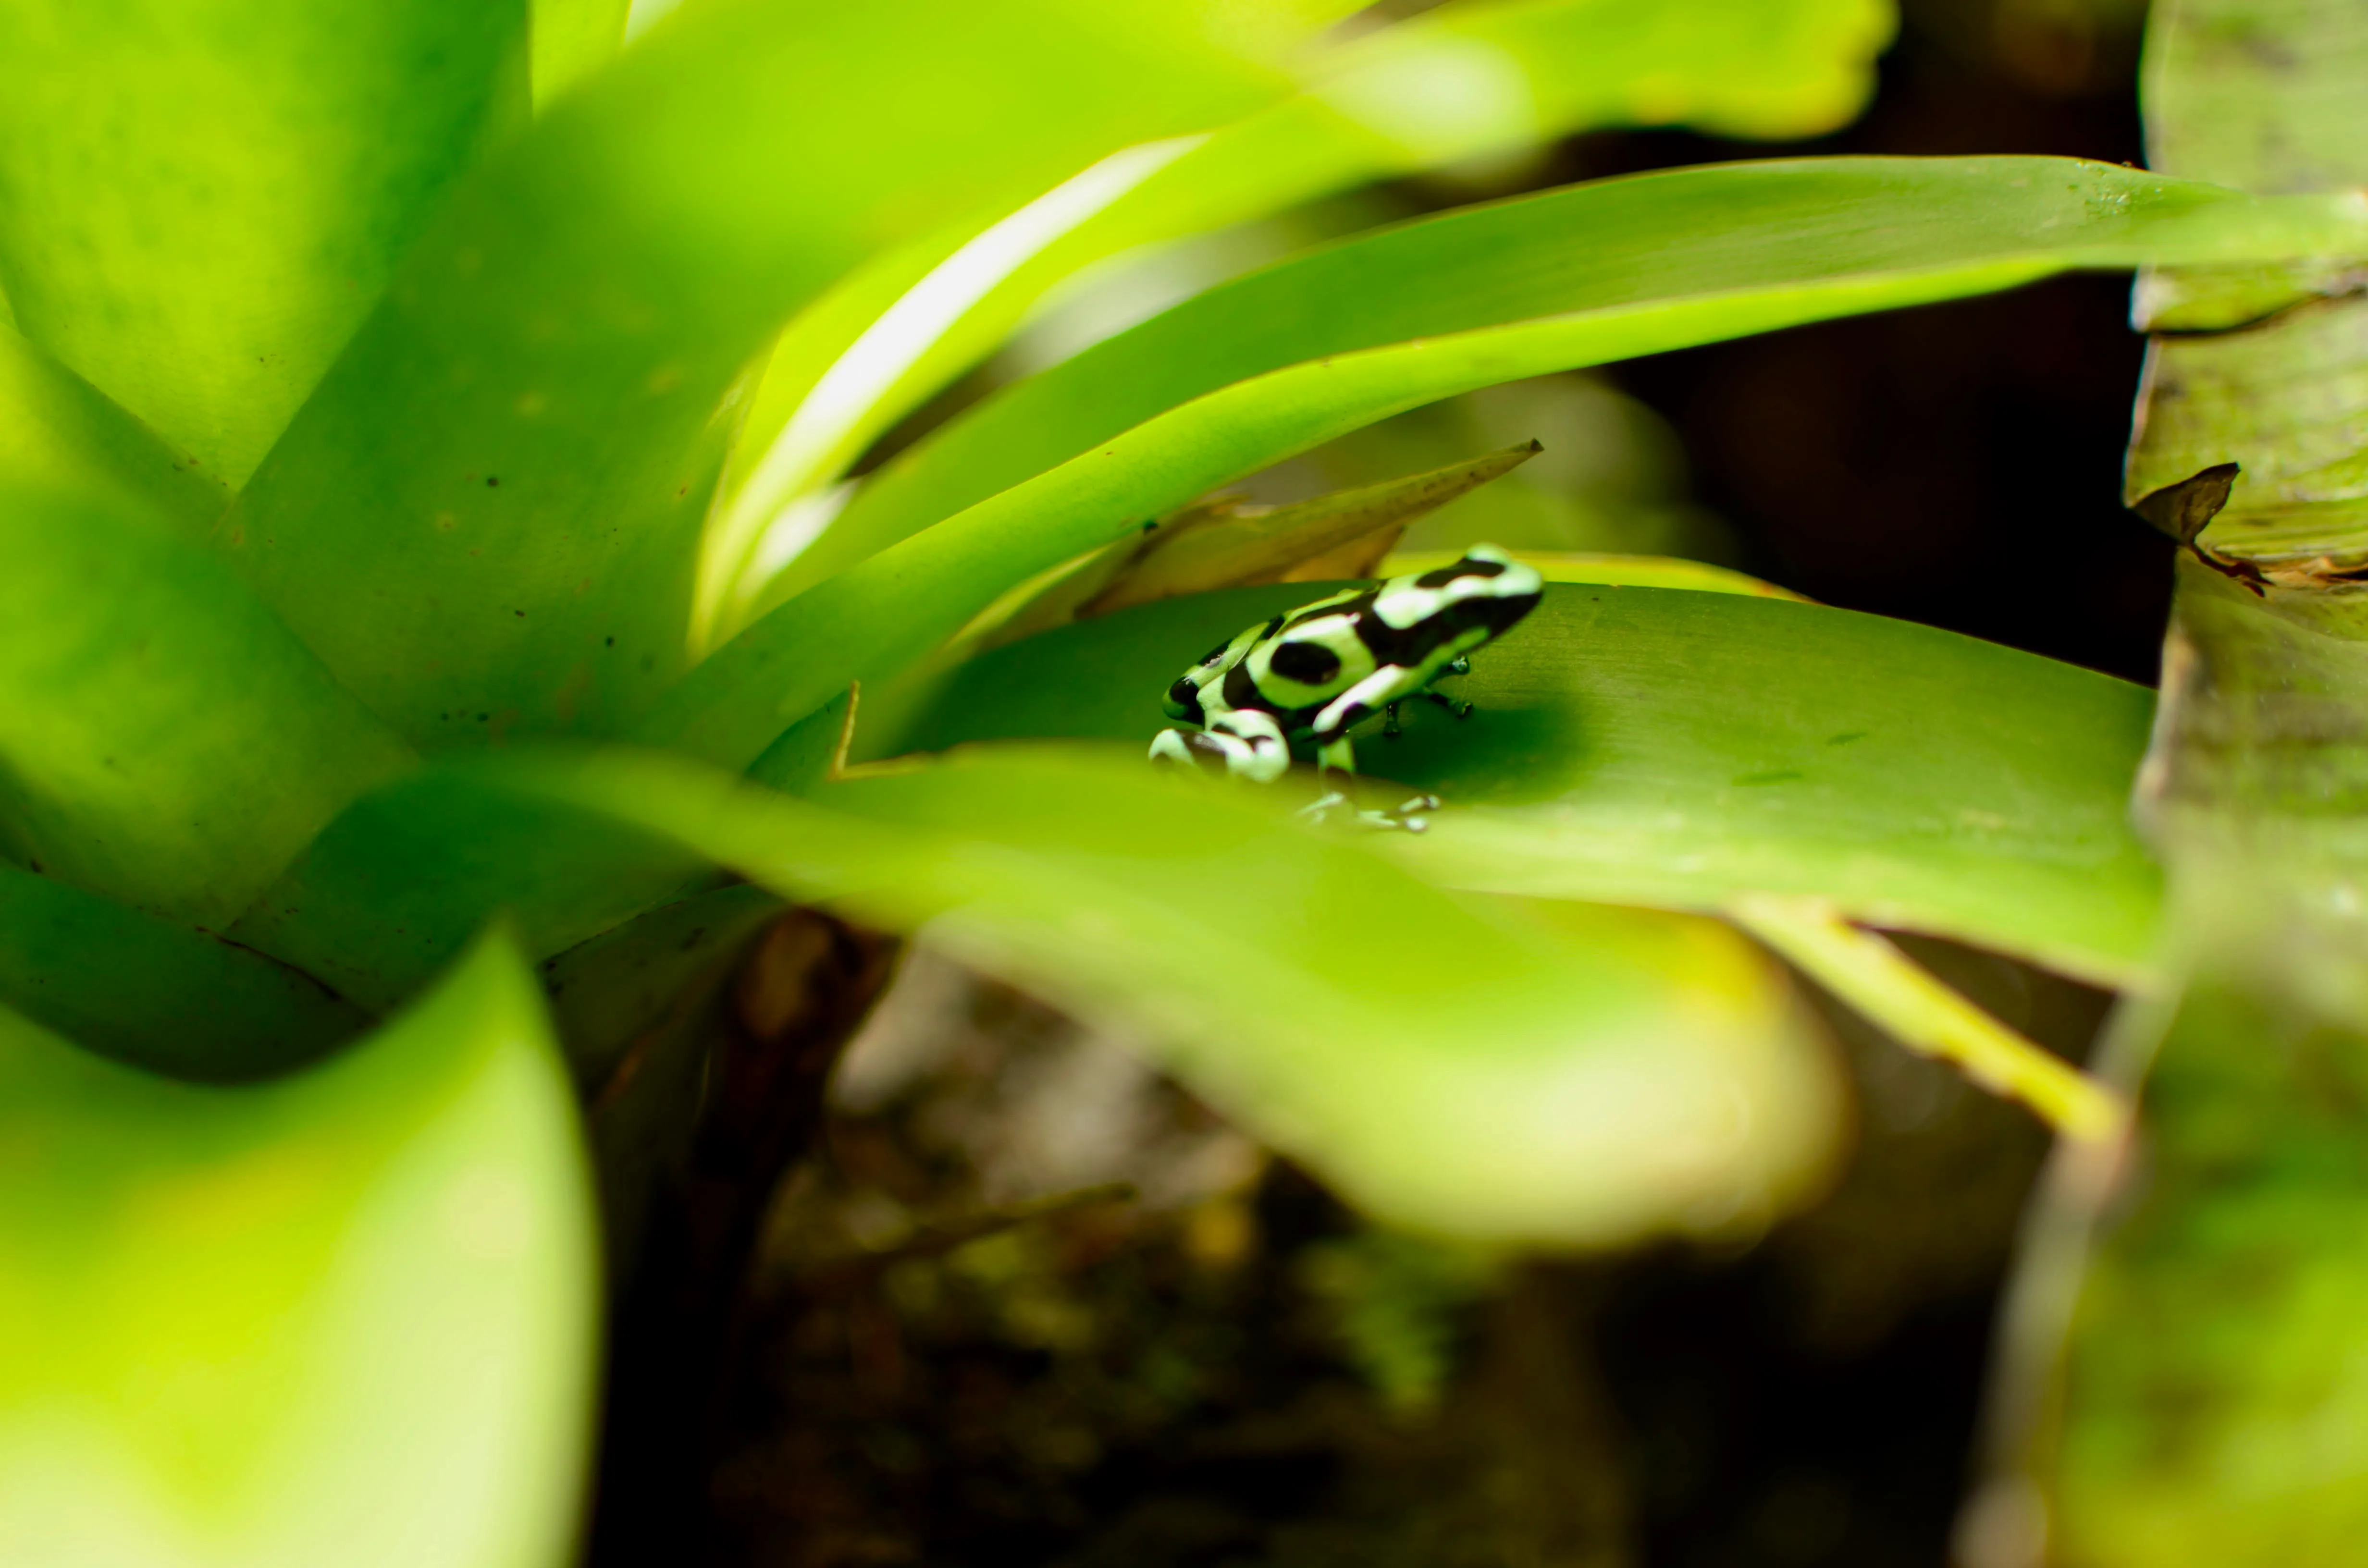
column 1247, row 743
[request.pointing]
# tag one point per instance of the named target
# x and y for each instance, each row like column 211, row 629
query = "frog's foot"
column 1456, row 706
column 1410, row 815
column 1321, row 808
column 1390, row 730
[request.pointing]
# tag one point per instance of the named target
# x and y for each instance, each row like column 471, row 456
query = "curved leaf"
column 1455, row 83
column 154, row 994
column 1661, row 261
column 1545, row 1073
column 1692, row 256
column 344, row 1317
column 1677, row 748
column 164, row 741
column 493, row 503
column 203, row 198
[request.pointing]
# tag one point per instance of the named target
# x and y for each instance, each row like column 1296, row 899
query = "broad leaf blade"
column 1636, row 266
column 1458, row 82
column 395, row 888
column 1538, row 1073
column 493, row 503
column 1722, row 250
column 344, row 1317
column 204, row 197
column 1677, row 748
column 164, row 740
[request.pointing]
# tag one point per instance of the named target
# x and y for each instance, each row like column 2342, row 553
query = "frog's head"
column 1183, row 700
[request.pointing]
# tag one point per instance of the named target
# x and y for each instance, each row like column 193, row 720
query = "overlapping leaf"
column 1677, row 748
column 344, row 1317
column 1455, row 83
column 1634, row 266
column 1548, row 1073
column 1658, row 261
column 60, row 432
column 200, row 199
column 198, row 1007
column 492, row 506
column 164, row 740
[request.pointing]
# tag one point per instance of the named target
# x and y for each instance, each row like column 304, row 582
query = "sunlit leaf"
column 494, row 502
column 572, row 40
column 344, row 1317
column 1456, row 83
column 1634, row 266
column 1549, row 1072
column 164, row 740
column 1656, row 261
column 1679, row 748
column 200, row 199
column 60, row 432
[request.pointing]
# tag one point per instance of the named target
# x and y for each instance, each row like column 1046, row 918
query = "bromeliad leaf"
column 1658, row 261
column 164, row 740
column 204, row 197
column 198, row 1007
column 1639, row 744
column 1552, row 1073
column 493, row 503
column 1667, row 260
column 1457, row 82
column 57, row 431
column 235, row 1323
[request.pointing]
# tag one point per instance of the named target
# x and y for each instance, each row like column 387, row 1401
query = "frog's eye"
column 1309, row 664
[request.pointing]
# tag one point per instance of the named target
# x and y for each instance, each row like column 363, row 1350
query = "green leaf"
column 200, row 199
column 1546, row 1073
column 1634, row 266
column 1656, row 261
column 164, row 741
column 348, row 1316
column 1677, row 748
column 572, row 40
column 395, row 888
column 494, row 502
column 1456, row 83
column 57, row 431
column 154, row 994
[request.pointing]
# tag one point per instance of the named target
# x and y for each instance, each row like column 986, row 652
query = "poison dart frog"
column 1318, row 670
